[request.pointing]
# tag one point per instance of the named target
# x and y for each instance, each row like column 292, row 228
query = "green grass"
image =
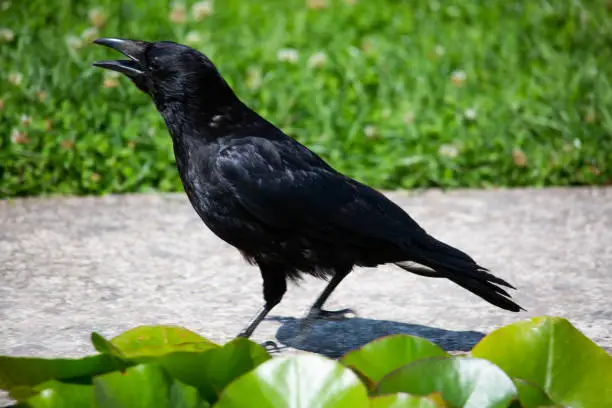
column 384, row 108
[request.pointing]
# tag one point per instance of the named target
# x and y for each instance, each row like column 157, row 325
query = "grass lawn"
column 398, row 94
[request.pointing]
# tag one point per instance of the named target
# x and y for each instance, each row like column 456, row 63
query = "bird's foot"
column 270, row 346
column 315, row 314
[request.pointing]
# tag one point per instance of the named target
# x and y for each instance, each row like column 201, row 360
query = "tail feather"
column 449, row 262
column 497, row 296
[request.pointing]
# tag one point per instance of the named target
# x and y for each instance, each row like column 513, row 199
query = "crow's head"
column 165, row 70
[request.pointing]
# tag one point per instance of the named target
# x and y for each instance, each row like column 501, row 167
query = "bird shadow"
column 335, row 338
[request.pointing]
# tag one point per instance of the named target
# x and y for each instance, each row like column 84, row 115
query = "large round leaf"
column 159, row 340
column 554, row 355
column 531, row 396
column 402, row 400
column 379, row 357
column 464, row 382
column 144, row 386
column 105, row 346
column 303, row 381
column 29, row 371
column 211, row 370
column 55, row 394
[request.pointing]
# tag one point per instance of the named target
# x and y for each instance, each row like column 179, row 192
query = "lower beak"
column 128, row 68
column 133, row 49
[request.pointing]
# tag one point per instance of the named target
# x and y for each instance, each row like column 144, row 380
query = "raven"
column 282, row 206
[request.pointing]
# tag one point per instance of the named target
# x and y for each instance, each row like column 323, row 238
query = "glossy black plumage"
column 269, row 196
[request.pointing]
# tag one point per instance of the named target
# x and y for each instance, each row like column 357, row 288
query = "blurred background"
column 398, row 94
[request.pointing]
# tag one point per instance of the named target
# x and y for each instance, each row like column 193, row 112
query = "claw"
column 270, row 346
column 314, row 314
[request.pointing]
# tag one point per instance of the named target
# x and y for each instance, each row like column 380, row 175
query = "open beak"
column 133, row 49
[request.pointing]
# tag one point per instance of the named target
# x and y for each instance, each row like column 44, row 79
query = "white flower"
column 354, row 51
column 288, row 55
column 178, row 13
column 74, row 42
column 111, row 74
column 316, row 4
column 458, row 77
column 6, row 35
column 470, row 114
column 317, row 60
column 370, row 131
column 111, row 82
column 202, row 9
column 19, row 137
column 97, row 17
column 577, row 143
column 25, row 120
column 193, row 38
column 519, row 158
column 448, row 150
column 15, row 78
column 89, row 34
column 439, row 50
column 111, row 79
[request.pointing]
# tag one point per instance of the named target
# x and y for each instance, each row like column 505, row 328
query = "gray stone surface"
column 69, row 266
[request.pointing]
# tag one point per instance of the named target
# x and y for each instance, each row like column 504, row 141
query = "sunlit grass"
column 398, row 94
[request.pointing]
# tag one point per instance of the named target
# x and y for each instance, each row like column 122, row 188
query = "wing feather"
column 314, row 200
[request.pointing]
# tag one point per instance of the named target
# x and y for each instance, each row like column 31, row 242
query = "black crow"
column 277, row 202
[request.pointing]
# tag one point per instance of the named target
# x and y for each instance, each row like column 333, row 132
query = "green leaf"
column 530, row 395
column 144, row 385
column 29, row 371
column 379, row 357
column 402, row 400
column 303, row 381
column 212, row 370
column 105, row 346
column 552, row 354
column 158, row 340
column 55, row 394
column 464, row 382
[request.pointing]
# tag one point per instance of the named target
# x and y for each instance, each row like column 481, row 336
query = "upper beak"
column 133, row 49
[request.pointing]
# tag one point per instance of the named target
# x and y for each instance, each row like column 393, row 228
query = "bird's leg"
column 316, row 311
column 255, row 320
column 274, row 287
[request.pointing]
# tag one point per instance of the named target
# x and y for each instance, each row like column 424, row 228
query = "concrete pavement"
column 69, row 266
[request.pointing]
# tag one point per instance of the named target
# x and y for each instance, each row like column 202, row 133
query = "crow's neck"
column 206, row 115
